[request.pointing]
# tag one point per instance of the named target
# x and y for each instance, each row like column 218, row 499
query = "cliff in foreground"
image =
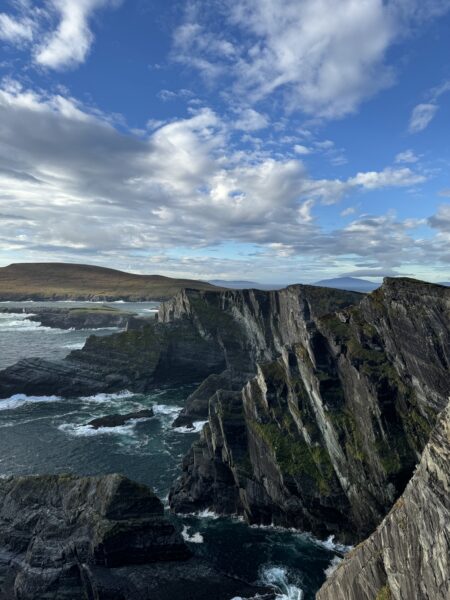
column 408, row 556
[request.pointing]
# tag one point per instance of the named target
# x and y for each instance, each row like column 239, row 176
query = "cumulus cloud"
column 81, row 188
column 324, row 66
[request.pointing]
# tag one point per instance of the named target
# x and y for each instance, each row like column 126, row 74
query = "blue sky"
column 272, row 140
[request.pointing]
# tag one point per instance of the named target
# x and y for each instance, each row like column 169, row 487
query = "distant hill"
column 246, row 285
column 447, row 283
column 64, row 281
column 352, row 284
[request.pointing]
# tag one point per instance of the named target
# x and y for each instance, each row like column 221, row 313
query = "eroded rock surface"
column 105, row 538
column 408, row 556
column 327, row 435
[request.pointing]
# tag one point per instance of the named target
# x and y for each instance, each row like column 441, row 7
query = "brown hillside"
column 61, row 281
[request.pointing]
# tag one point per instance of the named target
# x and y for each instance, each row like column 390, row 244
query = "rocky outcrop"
column 326, row 436
column 408, row 556
column 118, row 420
column 65, row 537
column 138, row 360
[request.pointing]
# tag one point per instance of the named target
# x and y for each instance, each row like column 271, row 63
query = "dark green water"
column 49, row 435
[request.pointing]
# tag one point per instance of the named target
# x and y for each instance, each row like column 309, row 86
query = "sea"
column 48, row 434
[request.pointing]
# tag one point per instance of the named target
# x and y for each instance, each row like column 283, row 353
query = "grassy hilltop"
column 61, row 281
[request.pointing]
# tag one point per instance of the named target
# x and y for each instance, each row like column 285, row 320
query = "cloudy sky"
column 271, row 140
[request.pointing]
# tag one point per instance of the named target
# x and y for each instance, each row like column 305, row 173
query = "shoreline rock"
column 65, row 537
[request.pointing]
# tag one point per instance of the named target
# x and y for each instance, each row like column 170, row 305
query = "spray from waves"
column 277, row 578
column 104, row 397
column 333, row 566
column 196, row 538
column 83, row 430
column 330, row 544
column 19, row 400
column 197, row 428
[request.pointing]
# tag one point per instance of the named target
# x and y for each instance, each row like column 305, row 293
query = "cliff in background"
column 326, row 436
column 408, row 556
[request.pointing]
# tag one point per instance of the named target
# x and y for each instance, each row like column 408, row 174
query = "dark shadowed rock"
column 118, row 420
column 66, row 537
column 408, row 556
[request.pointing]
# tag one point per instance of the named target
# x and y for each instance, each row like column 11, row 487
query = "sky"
column 277, row 141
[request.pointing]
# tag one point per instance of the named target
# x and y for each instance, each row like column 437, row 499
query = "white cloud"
column 71, row 185
column 68, row 45
column 388, row 177
column 249, row 119
column 325, row 66
column 421, row 117
column 299, row 149
column 407, row 156
column 58, row 31
column 15, row 30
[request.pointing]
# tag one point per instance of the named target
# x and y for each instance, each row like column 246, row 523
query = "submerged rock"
column 117, row 420
column 408, row 556
column 66, row 537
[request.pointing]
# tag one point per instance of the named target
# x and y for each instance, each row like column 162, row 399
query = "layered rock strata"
column 104, row 538
column 408, row 556
column 326, row 436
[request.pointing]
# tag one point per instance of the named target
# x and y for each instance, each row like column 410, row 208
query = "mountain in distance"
column 352, row 284
column 67, row 281
column 246, row 285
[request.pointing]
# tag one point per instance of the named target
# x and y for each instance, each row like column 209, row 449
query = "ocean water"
column 51, row 435
column 22, row 338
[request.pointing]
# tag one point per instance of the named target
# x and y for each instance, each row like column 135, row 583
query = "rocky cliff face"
column 408, row 556
column 104, row 538
column 327, row 435
column 138, row 359
column 198, row 334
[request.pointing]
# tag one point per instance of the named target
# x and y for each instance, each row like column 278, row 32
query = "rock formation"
column 408, row 556
column 117, row 420
column 106, row 538
column 319, row 401
column 326, row 436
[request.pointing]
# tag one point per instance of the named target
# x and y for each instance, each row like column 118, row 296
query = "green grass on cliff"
column 61, row 281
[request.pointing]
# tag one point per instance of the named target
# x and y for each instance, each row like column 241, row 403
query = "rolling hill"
column 64, row 281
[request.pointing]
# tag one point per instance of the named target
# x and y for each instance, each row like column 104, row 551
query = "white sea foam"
column 89, row 431
column 165, row 409
column 333, row 566
column 103, row 397
column 198, row 426
column 277, row 578
column 150, row 310
column 330, row 544
column 196, row 538
column 75, row 346
column 21, row 399
column 206, row 514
